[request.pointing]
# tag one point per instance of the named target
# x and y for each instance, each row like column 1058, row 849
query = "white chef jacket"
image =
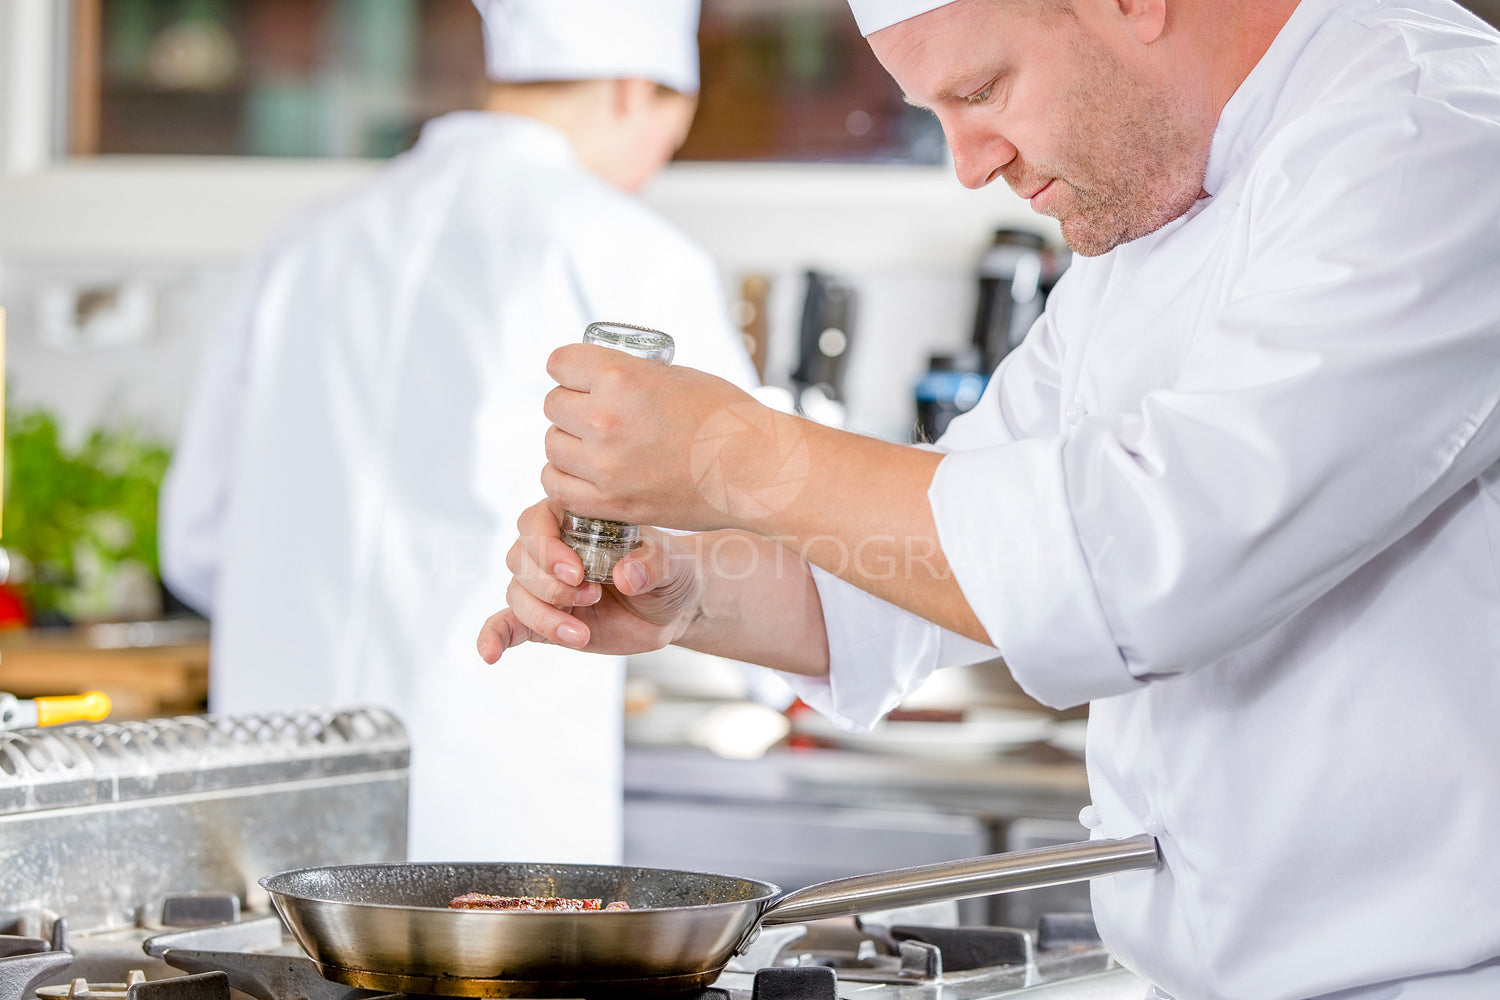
column 368, row 429
column 1240, row 491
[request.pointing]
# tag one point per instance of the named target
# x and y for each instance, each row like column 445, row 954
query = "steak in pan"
column 481, row 901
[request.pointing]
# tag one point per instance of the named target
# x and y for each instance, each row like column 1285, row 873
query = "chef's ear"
column 632, row 95
column 1146, row 19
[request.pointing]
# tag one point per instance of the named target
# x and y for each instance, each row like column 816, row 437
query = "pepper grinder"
column 601, row 543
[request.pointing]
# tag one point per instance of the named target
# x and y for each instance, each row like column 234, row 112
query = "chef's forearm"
column 759, row 604
column 862, row 514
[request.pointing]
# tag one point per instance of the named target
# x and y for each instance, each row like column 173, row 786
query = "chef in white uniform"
column 1239, row 490
column 335, row 505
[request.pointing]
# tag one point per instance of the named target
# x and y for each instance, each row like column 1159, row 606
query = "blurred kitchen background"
column 146, row 146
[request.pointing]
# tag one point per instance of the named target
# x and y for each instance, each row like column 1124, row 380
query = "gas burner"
column 80, row 988
column 209, row 986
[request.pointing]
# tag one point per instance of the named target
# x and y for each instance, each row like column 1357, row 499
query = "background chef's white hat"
column 872, row 15
column 530, row 40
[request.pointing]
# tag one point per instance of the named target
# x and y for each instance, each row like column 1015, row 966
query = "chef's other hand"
column 656, row 592
column 633, row 441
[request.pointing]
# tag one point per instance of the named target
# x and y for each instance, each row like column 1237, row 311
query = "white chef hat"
column 531, row 40
column 872, row 15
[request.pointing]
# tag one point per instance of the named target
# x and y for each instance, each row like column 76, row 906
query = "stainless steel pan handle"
column 961, row 879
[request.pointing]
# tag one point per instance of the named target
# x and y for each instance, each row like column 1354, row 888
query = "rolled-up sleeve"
column 1003, row 520
column 878, row 655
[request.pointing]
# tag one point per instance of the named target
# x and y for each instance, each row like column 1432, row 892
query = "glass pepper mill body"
column 601, row 543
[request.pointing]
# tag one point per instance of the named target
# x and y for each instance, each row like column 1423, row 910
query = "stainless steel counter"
column 795, row 817
column 998, row 788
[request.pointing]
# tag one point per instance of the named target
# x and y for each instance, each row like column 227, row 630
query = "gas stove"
column 878, row 958
column 1060, row 959
column 129, row 856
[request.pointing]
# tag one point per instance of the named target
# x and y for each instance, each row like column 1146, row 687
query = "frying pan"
column 388, row 927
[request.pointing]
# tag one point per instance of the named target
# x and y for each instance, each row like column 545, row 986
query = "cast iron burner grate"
column 21, row 971
column 999, row 958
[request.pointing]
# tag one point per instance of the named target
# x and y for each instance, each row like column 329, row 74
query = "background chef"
column 1239, row 489
column 334, row 504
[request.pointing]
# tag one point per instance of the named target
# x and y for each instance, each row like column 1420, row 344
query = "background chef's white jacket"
column 1245, row 477
column 367, row 431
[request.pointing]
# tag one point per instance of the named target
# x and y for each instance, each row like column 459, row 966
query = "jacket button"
column 1153, row 824
column 1089, row 817
column 1075, row 412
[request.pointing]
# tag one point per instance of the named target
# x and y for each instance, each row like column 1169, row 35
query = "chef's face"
column 657, row 123
column 1068, row 105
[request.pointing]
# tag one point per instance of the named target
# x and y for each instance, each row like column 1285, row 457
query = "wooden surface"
column 142, row 681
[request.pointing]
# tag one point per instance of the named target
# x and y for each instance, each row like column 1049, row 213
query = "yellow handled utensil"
column 24, row 713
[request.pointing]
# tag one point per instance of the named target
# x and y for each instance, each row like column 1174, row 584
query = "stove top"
column 127, row 851
column 1060, row 959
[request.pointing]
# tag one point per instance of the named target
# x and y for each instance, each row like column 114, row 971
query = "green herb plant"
column 78, row 517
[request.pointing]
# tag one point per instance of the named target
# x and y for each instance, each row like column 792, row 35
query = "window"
column 782, row 80
column 795, row 81
column 268, row 77
column 787, row 80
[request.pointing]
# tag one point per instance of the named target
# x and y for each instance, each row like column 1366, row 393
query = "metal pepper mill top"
column 601, row 543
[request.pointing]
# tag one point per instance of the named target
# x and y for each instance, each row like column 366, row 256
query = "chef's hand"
column 656, row 592
column 636, row 442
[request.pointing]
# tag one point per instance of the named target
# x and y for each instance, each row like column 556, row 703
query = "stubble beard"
column 1135, row 159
